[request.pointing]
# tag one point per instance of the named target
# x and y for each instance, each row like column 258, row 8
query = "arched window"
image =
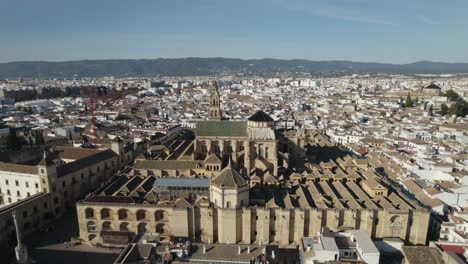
column 395, row 221
column 123, row 226
column 107, row 226
column 123, row 214
column 228, row 204
column 141, row 215
column 141, row 228
column 105, row 213
column 162, row 229
column 266, row 153
column 161, row 215
column 260, row 151
column 89, row 213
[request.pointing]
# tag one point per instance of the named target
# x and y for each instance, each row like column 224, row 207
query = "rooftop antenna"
column 92, row 94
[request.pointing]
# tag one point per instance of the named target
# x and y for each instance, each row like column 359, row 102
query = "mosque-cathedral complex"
column 245, row 182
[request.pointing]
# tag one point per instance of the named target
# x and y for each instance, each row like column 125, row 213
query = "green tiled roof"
column 165, row 164
column 222, row 129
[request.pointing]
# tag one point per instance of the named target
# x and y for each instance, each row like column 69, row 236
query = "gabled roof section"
column 255, row 178
column 270, row 179
column 212, row 159
column 433, row 86
column 182, row 203
column 260, row 116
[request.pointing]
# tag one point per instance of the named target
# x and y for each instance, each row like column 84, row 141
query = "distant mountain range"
column 214, row 66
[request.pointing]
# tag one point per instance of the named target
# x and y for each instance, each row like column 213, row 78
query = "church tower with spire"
column 214, row 109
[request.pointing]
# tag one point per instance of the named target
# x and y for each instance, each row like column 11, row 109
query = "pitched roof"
column 18, row 168
column 229, row 178
column 433, row 86
column 270, row 179
column 422, row 254
column 109, row 199
column 221, row 129
column 295, row 175
column 85, row 162
column 182, row 203
column 74, row 153
column 412, row 186
column 431, row 190
column 260, row 116
column 373, row 184
column 255, row 178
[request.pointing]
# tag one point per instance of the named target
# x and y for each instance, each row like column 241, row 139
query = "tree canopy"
column 451, row 94
column 458, row 109
column 13, row 143
column 409, row 101
column 443, row 109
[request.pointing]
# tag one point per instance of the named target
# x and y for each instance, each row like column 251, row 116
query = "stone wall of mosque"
column 248, row 225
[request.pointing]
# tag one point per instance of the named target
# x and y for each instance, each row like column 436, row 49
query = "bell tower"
column 214, row 109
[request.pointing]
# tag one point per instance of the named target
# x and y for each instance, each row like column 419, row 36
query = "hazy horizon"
column 319, row 30
column 244, row 59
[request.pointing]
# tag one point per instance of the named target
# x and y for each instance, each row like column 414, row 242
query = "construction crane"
column 92, row 97
column 106, row 98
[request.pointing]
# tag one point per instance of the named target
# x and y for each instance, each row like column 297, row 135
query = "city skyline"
column 315, row 30
column 234, row 131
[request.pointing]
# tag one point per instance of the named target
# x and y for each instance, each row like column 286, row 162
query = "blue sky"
column 395, row 31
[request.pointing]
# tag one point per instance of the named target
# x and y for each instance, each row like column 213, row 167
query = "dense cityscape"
column 278, row 170
column 234, row 132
